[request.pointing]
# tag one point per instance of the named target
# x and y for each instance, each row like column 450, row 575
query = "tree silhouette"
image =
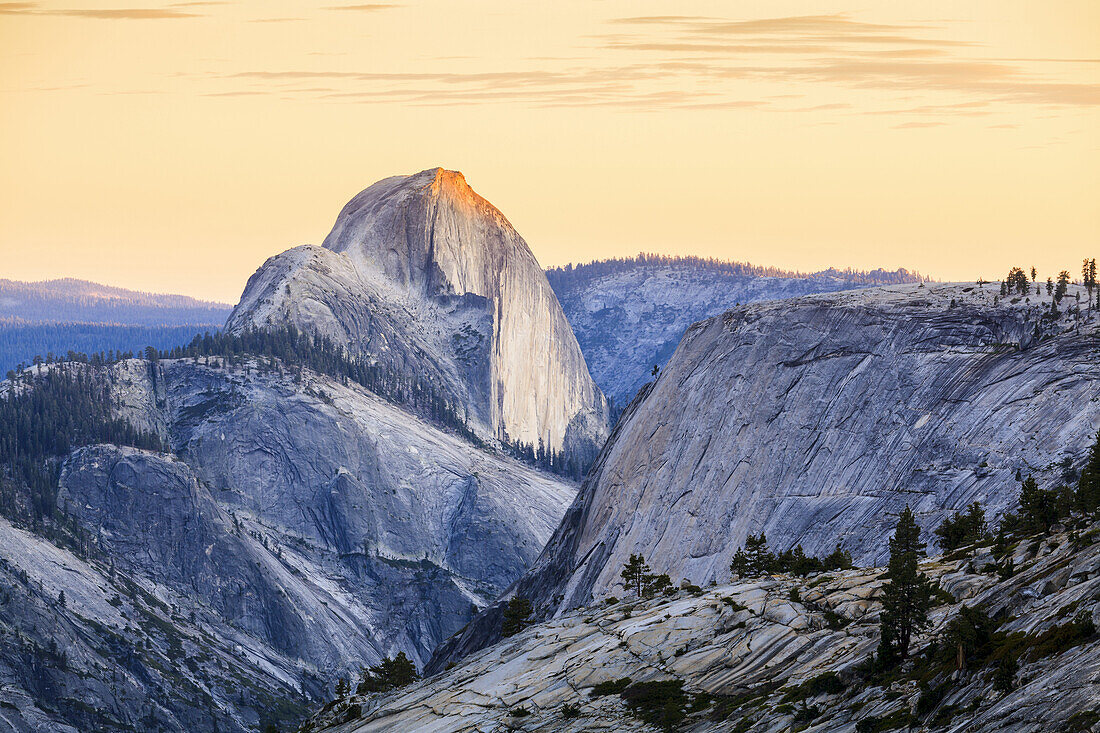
column 907, row 596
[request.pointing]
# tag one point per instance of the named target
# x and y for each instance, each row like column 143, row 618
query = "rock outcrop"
column 815, row 421
column 426, row 277
column 299, row 528
column 629, row 316
column 778, row 654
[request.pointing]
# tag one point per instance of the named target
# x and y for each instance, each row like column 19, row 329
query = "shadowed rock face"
column 816, row 421
column 355, row 485
column 299, row 528
column 422, row 274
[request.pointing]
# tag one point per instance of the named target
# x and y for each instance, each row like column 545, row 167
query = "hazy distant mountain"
column 629, row 314
column 78, row 301
column 58, row 316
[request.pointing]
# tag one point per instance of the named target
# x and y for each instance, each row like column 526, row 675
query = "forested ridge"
column 44, row 415
column 569, row 275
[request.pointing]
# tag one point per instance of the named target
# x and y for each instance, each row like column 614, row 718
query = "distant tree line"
column 79, row 301
column 21, row 343
column 288, row 347
column 565, row 276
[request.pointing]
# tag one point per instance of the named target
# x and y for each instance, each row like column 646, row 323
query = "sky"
column 172, row 147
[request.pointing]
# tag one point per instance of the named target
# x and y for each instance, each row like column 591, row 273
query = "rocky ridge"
column 815, row 421
column 299, row 527
column 774, row 654
column 630, row 316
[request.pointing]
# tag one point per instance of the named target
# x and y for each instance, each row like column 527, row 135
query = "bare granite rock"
column 815, row 421
column 748, row 646
column 423, row 275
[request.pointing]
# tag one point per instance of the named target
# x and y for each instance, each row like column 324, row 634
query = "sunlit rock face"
column 423, row 275
column 816, row 420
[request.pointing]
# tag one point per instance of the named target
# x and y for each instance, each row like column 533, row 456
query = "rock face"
column 750, row 644
column 629, row 315
column 379, row 498
column 299, row 528
column 423, row 275
column 815, row 421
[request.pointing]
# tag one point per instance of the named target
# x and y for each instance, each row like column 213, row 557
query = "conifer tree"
column 517, row 616
column 1088, row 487
column 907, row 596
column 389, row 674
column 635, row 572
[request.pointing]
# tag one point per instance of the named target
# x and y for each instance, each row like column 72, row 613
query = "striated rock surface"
column 629, row 315
column 750, row 644
column 379, row 498
column 423, row 275
column 300, row 528
column 815, row 421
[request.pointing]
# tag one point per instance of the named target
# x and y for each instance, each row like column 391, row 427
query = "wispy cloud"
column 365, row 8
column 163, row 13
column 660, row 62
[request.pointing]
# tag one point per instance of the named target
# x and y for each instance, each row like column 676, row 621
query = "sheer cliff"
column 423, row 275
column 295, row 527
column 815, row 421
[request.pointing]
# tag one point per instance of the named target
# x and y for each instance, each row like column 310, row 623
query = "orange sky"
column 173, row 147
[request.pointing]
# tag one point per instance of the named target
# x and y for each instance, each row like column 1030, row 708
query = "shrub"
column 570, row 711
column 611, row 687
column 389, row 674
column 659, row 703
column 827, row 683
column 962, row 529
column 517, row 616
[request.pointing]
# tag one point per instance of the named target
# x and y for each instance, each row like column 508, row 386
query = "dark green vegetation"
column 755, row 560
column 662, row 703
column 23, row 343
column 42, row 418
column 561, row 277
column 962, row 529
column 389, row 674
column 517, row 616
column 638, row 578
column 907, row 596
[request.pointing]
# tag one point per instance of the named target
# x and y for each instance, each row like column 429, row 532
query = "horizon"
column 546, row 268
column 175, row 147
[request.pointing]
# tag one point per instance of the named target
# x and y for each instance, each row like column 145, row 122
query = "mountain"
column 293, row 526
column 629, row 314
column 78, row 301
column 815, row 421
column 58, row 316
column 785, row 653
column 421, row 275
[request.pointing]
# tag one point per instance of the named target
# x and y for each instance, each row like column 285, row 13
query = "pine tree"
column 517, row 616
column 1062, row 286
column 907, row 596
column 1088, row 487
column 1038, row 507
column 389, row 674
column 634, row 574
